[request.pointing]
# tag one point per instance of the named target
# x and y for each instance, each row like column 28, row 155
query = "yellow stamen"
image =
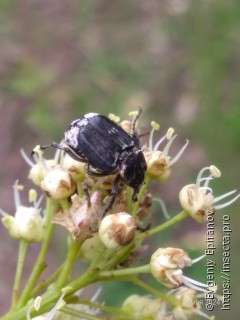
column 113, row 117
column 61, row 304
column 19, row 187
column 32, row 195
column 133, row 113
column 170, row 133
column 66, row 289
column 37, row 303
column 155, row 125
column 215, row 172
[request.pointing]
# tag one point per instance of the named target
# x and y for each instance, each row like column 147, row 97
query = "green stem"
column 44, row 284
column 179, row 217
column 123, row 272
column 67, row 266
column 103, row 307
column 129, row 199
column 118, row 257
column 40, row 264
column 157, row 293
column 80, row 314
column 80, row 189
column 23, row 246
column 140, row 195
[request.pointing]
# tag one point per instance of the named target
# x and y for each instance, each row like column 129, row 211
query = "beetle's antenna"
column 135, row 118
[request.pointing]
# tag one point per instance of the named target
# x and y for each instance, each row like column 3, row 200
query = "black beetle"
column 107, row 149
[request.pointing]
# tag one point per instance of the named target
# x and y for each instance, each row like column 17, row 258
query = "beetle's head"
column 132, row 171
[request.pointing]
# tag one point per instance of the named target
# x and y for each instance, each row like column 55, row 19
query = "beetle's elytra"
column 107, row 149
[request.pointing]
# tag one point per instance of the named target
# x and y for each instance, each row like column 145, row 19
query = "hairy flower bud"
column 58, row 183
column 117, row 230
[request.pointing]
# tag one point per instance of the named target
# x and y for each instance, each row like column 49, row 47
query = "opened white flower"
column 198, row 200
column 28, row 223
column 166, row 266
column 159, row 162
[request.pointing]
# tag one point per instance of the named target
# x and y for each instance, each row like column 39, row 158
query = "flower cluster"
column 109, row 243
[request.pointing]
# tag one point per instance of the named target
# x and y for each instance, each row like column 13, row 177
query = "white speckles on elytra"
column 90, row 115
column 71, row 136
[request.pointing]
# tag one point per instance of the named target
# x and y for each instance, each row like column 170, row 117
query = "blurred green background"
column 177, row 59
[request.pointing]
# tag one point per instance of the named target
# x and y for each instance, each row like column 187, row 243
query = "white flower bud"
column 89, row 248
column 126, row 125
column 75, row 168
column 38, row 171
column 142, row 307
column 117, row 230
column 187, row 307
column 166, row 265
column 58, row 183
column 27, row 224
column 196, row 201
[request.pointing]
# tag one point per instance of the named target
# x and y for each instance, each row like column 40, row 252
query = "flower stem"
column 140, row 195
column 44, row 284
column 67, row 266
column 40, row 264
column 179, row 217
column 157, row 293
column 23, row 246
column 127, row 271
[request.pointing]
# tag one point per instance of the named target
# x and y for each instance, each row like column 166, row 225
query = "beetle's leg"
column 87, row 195
column 66, row 149
column 134, row 196
column 114, row 193
column 51, row 145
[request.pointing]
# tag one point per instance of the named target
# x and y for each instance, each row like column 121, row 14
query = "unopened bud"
column 58, row 184
column 117, row 230
column 75, row 168
column 38, row 171
column 126, row 125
